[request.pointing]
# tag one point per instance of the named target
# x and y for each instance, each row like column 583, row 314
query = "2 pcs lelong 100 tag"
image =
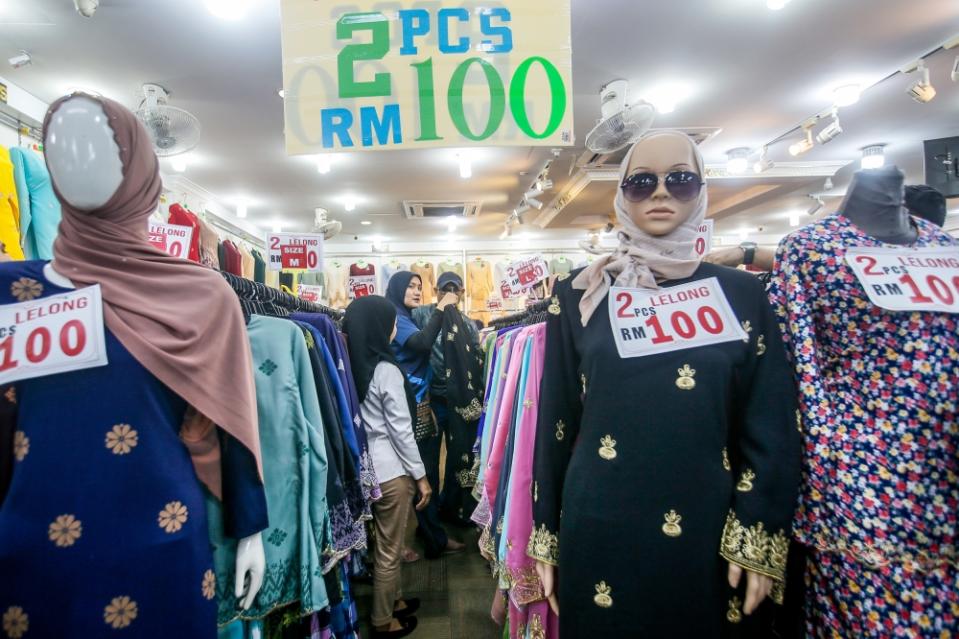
column 52, row 335
column 907, row 279
column 672, row 319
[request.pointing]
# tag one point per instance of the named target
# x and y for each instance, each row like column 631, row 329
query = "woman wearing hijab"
column 386, row 404
column 412, row 348
column 660, row 479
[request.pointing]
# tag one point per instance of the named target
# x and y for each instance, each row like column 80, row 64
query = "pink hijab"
column 643, row 260
column 178, row 319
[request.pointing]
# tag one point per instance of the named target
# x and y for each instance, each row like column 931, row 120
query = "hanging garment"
column 560, row 266
column 428, row 275
column 479, row 283
column 879, row 412
column 667, row 467
column 295, row 475
column 39, row 207
column 9, row 208
column 259, row 267
column 234, row 261
column 209, row 245
column 362, row 280
column 389, row 269
column 315, row 278
column 247, row 263
column 450, row 267
column 182, row 217
column 337, row 275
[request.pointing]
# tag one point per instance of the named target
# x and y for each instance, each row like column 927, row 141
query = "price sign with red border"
column 52, row 335
column 305, row 249
column 361, row 286
column 310, row 293
column 704, row 238
column 908, row 279
column 523, row 274
column 173, row 239
column 672, row 319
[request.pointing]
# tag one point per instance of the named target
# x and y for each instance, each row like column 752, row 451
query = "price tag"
column 494, row 304
column 672, row 319
column 362, row 285
column 907, row 279
column 310, row 293
column 52, row 335
column 173, row 239
column 522, row 275
column 704, row 238
column 303, row 249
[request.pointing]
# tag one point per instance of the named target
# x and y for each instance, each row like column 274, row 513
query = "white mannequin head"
column 82, row 154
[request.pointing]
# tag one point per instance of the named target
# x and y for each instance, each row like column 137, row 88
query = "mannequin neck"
column 874, row 204
column 52, row 275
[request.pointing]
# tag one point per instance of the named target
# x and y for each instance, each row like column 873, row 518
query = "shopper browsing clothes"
column 456, row 502
column 387, row 403
column 412, row 346
column 664, row 481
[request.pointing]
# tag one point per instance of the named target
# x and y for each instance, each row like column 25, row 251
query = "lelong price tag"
column 675, row 318
column 173, row 239
column 704, row 238
column 523, row 274
column 295, row 251
column 52, row 335
column 361, row 286
column 310, row 292
column 906, row 279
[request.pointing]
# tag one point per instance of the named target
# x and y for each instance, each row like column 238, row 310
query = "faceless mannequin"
column 85, row 166
column 874, row 203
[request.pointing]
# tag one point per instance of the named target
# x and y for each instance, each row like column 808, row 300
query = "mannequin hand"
column 732, row 256
column 448, row 299
column 250, row 560
column 758, row 587
column 547, row 577
column 426, row 492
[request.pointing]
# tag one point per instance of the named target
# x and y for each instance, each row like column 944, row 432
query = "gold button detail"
column 726, row 463
column 672, row 528
column 761, row 346
column 560, row 435
column 603, row 598
column 734, row 615
column 607, row 449
column 685, row 380
column 746, row 481
column 554, row 306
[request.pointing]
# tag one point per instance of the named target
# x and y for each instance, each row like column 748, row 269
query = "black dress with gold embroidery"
column 652, row 473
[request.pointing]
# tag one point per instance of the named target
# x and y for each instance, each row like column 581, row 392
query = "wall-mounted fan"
column 621, row 124
column 172, row 130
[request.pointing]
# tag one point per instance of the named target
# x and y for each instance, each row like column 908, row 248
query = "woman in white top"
column 387, row 404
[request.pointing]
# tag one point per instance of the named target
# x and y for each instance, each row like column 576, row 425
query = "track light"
column 737, row 160
column 803, row 145
column 544, row 185
column 955, row 70
column 536, row 204
column 832, row 130
column 922, row 90
column 873, row 157
column 817, row 206
column 533, row 193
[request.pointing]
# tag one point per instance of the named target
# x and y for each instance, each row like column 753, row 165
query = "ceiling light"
column 803, row 145
column 241, row 208
column 366, row 223
column 817, row 206
column 832, row 130
column 452, row 223
column 846, row 95
column 178, row 163
column 955, row 70
column 378, row 243
column 228, row 9
column 507, row 230
column 536, row 204
column 794, row 218
column 349, row 203
column 873, row 157
column 737, row 160
column 466, row 166
column 922, row 90
column 827, row 185
column 281, row 93
column 763, row 164
column 323, row 164
column 776, row 5
column 544, row 184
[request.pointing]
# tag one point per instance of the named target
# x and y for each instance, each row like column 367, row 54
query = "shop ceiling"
column 740, row 67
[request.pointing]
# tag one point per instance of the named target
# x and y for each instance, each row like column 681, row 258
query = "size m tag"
column 908, row 279
column 52, row 335
column 672, row 319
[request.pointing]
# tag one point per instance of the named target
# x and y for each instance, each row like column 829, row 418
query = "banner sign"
column 372, row 75
column 173, row 239
column 361, row 286
column 52, row 335
column 295, row 251
column 522, row 275
column 907, row 279
column 672, row 319
column 310, row 293
column 704, row 239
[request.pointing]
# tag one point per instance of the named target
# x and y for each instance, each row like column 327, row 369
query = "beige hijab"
column 643, row 260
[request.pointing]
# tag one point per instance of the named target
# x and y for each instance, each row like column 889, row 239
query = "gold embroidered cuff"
column 754, row 548
column 471, row 411
column 543, row 546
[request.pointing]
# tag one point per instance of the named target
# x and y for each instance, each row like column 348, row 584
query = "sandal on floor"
column 409, row 625
column 412, row 605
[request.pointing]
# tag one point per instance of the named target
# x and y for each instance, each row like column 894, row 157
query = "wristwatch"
column 749, row 252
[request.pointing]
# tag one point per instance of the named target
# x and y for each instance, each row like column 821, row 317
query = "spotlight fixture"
column 846, row 95
column 737, row 160
column 827, row 185
column 544, row 185
column 86, row 8
column 832, row 130
column 281, row 93
column 763, row 164
column 873, row 157
column 803, row 145
column 922, row 90
column 323, row 164
column 776, row 5
column 20, row 60
column 507, row 231
column 955, row 70
column 466, row 166
column 533, row 193
column 817, row 206
column 536, row 204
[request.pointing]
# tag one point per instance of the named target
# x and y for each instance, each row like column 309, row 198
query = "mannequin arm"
column 250, row 563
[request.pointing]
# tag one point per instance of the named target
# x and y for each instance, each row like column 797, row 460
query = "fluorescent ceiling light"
column 466, row 166
column 281, row 93
column 366, row 223
column 846, row 95
column 737, row 160
column 323, row 164
column 349, row 203
column 534, row 192
column 873, row 157
column 228, row 9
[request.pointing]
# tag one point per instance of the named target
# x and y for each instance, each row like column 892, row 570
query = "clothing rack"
column 534, row 314
column 260, row 299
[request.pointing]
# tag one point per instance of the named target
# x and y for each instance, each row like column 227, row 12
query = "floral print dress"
column 878, row 402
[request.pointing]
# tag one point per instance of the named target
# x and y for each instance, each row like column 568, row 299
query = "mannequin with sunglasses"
column 664, row 485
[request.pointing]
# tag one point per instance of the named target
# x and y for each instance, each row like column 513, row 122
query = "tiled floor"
column 456, row 592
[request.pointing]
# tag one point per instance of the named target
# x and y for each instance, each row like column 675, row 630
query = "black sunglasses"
column 682, row 185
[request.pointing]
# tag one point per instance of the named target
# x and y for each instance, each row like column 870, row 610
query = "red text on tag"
column 173, row 239
column 304, row 250
column 906, row 279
